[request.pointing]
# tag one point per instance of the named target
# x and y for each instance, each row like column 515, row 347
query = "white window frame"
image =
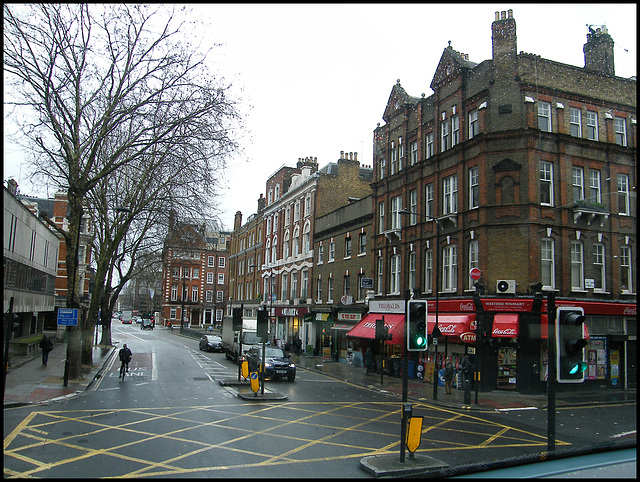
column 473, row 123
column 320, row 253
column 449, row 268
column 304, row 284
column 347, row 247
column 450, row 194
column 577, row 181
column 210, row 278
column 577, row 266
column 546, row 182
column 381, row 226
column 592, row 125
column 547, row 263
column 544, row 116
column 620, row 130
column 599, row 267
column 595, row 186
column 362, row 243
column 319, row 290
column 444, row 135
column 626, row 273
column 414, row 153
column 284, row 286
column 380, row 274
column 575, row 122
column 455, row 130
column 429, row 145
column 474, row 260
column 221, row 262
column 393, row 161
column 400, row 153
column 383, row 166
column 428, row 200
column 624, row 208
column 428, row 271
column 220, row 278
column 412, row 271
column 330, row 289
column 396, row 206
column 211, row 261
column 332, row 251
column 474, row 187
column 413, row 206
column 394, row 272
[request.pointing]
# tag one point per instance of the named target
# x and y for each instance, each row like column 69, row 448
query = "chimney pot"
column 503, row 15
column 497, row 15
column 510, row 13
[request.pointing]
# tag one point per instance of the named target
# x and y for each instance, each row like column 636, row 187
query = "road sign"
column 475, row 273
column 67, row 316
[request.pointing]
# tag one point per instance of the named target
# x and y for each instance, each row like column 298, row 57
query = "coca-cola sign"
column 446, row 329
column 505, row 332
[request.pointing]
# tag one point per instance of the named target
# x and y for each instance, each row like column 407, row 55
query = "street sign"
column 67, row 316
column 475, row 273
column 366, row 283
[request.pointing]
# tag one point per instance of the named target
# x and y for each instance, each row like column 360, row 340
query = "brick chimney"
column 12, row 186
column 598, row 52
column 503, row 35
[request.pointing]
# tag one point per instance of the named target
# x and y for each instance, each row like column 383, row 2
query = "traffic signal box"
column 570, row 343
column 262, row 324
column 417, row 326
column 382, row 331
column 237, row 319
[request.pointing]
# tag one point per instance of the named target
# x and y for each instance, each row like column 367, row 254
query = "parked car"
column 211, row 343
column 276, row 363
column 146, row 324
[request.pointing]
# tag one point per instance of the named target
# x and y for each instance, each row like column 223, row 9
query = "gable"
column 397, row 100
column 450, row 66
column 507, row 165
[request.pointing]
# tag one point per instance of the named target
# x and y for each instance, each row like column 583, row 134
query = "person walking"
column 448, row 376
column 467, row 367
column 46, row 345
column 369, row 360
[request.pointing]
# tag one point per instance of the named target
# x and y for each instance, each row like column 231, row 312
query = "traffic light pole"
column 551, row 377
column 405, row 377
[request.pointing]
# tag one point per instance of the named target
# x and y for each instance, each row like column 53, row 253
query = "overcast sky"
column 315, row 79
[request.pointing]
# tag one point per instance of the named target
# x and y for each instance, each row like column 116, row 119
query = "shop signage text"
column 468, row 337
column 291, row 311
column 349, row 316
column 388, row 306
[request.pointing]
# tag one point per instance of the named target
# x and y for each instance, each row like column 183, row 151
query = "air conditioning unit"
column 506, row 286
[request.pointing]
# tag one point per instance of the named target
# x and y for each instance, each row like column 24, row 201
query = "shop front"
column 291, row 331
column 342, row 346
column 363, row 336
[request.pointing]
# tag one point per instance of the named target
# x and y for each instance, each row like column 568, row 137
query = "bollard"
column 467, row 391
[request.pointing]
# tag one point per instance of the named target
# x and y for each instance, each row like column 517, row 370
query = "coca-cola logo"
column 447, row 328
column 510, row 332
column 467, row 307
column 630, row 311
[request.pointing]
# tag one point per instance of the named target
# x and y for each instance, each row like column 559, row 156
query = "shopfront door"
column 506, row 368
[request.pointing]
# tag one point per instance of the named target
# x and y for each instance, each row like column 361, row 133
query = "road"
column 170, row 417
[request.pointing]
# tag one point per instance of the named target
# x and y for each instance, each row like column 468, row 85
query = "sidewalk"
column 422, row 391
column 29, row 382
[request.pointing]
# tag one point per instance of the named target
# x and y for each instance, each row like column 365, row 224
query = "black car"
column 211, row 343
column 276, row 364
column 146, row 324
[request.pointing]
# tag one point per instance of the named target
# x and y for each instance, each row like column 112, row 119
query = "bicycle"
column 124, row 368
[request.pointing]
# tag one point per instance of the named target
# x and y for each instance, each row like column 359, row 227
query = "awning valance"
column 343, row 326
column 366, row 328
column 506, row 325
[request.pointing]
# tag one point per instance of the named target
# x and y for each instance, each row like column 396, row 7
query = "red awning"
column 506, row 325
column 366, row 328
column 544, row 328
column 452, row 325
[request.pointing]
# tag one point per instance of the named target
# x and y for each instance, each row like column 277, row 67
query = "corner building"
column 529, row 167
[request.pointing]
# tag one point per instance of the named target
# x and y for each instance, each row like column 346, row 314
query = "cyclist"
column 125, row 357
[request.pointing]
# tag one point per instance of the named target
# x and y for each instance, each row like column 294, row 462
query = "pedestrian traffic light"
column 382, row 331
column 417, row 326
column 570, row 343
column 262, row 324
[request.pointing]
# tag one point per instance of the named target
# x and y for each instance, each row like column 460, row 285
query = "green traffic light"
column 577, row 368
column 420, row 341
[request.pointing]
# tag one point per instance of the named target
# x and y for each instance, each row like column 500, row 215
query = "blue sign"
column 67, row 316
column 366, row 283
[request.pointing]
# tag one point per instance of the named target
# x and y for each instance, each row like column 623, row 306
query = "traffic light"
column 417, row 326
column 570, row 343
column 382, row 331
column 237, row 319
column 262, row 324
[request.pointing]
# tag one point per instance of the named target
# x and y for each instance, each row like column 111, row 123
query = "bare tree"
column 100, row 89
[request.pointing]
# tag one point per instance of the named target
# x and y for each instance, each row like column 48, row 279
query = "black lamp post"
column 435, row 328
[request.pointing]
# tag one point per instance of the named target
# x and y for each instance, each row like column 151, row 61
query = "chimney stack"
column 598, row 52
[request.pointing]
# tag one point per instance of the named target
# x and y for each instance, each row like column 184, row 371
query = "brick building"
column 194, row 275
column 282, row 244
column 529, row 166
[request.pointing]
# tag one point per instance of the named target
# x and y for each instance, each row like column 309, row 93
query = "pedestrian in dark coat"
column 47, row 345
column 369, row 360
column 467, row 367
column 448, row 376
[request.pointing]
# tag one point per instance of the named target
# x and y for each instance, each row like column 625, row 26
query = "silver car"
column 211, row 343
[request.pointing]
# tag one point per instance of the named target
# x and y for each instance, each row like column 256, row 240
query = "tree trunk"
column 74, row 342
